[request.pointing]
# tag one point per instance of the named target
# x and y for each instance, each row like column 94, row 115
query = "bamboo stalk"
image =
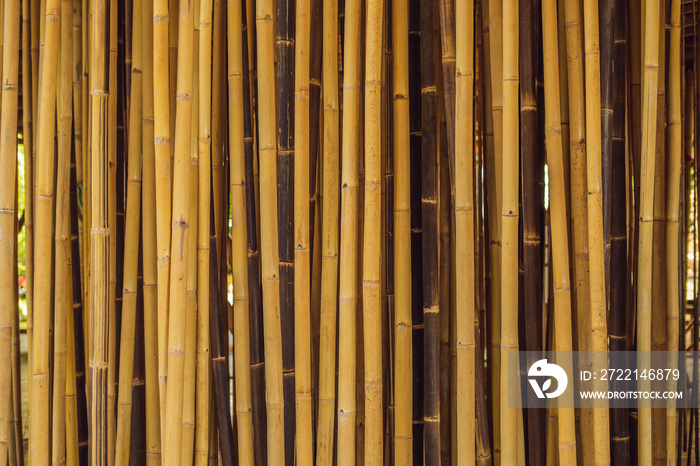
column 465, row 299
column 330, row 234
column 606, row 14
column 149, row 248
column 161, row 135
column 302, row 250
column 509, row 221
column 446, row 10
column 403, row 394
column 177, row 323
column 131, row 250
column 371, row 254
column 349, row 241
column 201, row 447
column 674, row 163
column 649, row 108
column 39, row 438
column 269, row 243
column 8, row 208
column 239, row 233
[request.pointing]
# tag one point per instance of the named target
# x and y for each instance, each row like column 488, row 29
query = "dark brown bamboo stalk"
column 430, row 240
column 619, row 427
column 284, row 69
column 218, row 357
column 81, row 400
column 606, row 14
column 532, row 202
column 447, row 43
column 137, row 453
column 257, row 361
column 414, row 99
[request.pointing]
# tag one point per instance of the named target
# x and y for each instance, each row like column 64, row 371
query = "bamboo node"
column 159, row 18
column 176, row 352
column 184, row 97
column 429, row 90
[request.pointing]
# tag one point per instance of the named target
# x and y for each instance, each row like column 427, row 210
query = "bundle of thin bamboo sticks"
column 313, row 232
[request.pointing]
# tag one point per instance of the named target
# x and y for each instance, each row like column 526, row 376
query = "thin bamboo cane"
column 302, row 250
column 138, row 453
column 39, row 438
column 446, row 10
column 8, row 208
column 371, row 254
column 131, row 249
column 257, row 364
column 606, row 14
column 509, row 221
column 598, row 326
column 644, row 283
column 72, row 428
column 673, row 196
column 62, row 301
column 465, row 298
column 239, row 233
column 15, row 433
column 100, row 231
column 349, row 239
column 203, row 408
column 403, row 395
column 619, row 425
column 330, row 234
column 559, row 222
column 531, row 206
column 284, row 79
column 173, row 23
column 149, row 248
column 161, row 134
column 268, row 227
column 177, row 323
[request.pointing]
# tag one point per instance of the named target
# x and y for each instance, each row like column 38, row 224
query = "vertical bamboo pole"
column 447, row 46
column 203, row 408
column 62, row 301
column 606, row 14
column 330, row 234
column 371, row 254
column 161, row 134
column 509, row 221
column 648, row 146
column 302, row 251
column 598, row 326
column 674, row 160
column 100, row 232
column 131, row 249
column 149, row 248
column 8, row 182
column 465, row 278
column 403, row 394
column 268, row 227
column 177, row 324
column 348, row 288
column 39, row 438
column 239, row 233
column 619, row 422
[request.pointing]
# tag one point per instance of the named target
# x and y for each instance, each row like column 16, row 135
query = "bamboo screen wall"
column 312, row 231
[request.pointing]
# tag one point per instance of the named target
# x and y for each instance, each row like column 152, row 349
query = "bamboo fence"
column 315, row 231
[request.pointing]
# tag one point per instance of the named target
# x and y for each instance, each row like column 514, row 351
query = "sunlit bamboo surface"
column 297, row 232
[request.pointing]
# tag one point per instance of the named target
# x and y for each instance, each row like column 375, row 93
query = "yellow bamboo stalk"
column 509, row 224
column 149, row 248
column 202, row 414
column 268, row 232
column 8, row 184
column 72, row 458
column 372, row 240
column 646, row 215
column 99, row 233
column 348, row 289
column 403, row 380
column 161, row 128
column 465, row 278
column 329, row 233
column 131, row 248
column 302, row 248
column 674, row 159
column 559, row 222
column 39, row 437
column 244, row 410
column 177, row 322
